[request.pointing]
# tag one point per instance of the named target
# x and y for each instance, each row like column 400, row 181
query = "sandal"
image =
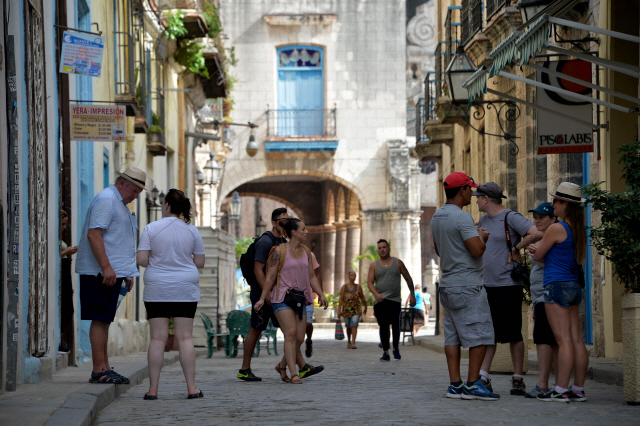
column 195, row 395
column 295, row 380
column 284, row 376
column 106, row 377
column 125, row 381
column 353, row 346
column 349, row 346
column 150, row 397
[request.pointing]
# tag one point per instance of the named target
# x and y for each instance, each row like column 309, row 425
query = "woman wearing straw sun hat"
column 562, row 251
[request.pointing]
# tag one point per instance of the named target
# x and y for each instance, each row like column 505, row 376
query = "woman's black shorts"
column 542, row 333
column 171, row 309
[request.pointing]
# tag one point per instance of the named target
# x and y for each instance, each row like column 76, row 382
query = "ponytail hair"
column 291, row 225
column 179, row 204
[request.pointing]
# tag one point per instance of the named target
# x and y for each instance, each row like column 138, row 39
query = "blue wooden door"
column 300, row 91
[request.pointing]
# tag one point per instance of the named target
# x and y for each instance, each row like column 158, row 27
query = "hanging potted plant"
column 154, row 133
column 617, row 238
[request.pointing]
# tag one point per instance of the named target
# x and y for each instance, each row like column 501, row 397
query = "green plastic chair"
column 270, row 333
column 211, row 333
column 238, row 323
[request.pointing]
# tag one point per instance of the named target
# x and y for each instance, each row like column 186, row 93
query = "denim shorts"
column 282, row 306
column 563, row 293
column 352, row 322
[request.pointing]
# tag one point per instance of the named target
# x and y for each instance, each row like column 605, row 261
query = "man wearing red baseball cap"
column 467, row 320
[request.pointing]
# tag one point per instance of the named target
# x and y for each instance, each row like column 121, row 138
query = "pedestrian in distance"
column 291, row 272
column 467, row 320
column 420, row 310
column 563, row 250
column 260, row 318
column 350, row 308
column 546, row 345
column 510, row 233
column 172, row 251
column 308, row 352
column 107, row 258
column 385, row 284
column 66, row 285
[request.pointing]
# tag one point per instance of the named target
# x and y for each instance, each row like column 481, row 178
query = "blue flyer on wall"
column 81, row 54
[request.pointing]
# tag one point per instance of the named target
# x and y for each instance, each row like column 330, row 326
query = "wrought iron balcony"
column 312, row 124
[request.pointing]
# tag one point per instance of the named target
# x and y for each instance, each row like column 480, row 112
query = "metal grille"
column 430, row 99
column 141, row 57
column 124, row 49
column 470, row 19
column 493, row 6
column 448, row 40
column 301, row 122
column 438, row 73
column 37, row 122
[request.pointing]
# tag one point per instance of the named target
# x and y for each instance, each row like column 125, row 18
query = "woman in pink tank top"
column 296, row 283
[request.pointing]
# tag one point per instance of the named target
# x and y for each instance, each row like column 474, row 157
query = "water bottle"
column 124, row 289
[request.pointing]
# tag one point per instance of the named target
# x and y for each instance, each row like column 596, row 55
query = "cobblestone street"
column 354, row 388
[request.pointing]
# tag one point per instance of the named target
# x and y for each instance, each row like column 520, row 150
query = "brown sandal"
column 295, row 381
column 280, row 370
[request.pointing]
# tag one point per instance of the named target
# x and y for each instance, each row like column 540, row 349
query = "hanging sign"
column 556, row 134
column 99, row 123
column 81, row 54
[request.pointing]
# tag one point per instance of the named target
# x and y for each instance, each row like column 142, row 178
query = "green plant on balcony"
column 189, row 53
column 155, row 126
column 175, row 26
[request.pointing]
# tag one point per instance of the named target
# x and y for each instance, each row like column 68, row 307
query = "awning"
column 536, row 38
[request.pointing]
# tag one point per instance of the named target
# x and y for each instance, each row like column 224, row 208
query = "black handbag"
column 519, row 271
column 296, row 300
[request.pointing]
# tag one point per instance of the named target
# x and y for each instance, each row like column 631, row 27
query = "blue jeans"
column 563, row 293
column 352, row 322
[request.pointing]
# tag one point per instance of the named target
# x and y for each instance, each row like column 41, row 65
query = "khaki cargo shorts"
column 467, row 319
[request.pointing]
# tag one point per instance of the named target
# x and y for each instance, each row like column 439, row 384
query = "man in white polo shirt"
column 106, row 257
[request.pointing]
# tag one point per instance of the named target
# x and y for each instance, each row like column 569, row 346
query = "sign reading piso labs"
column 99, row 123
column 557, row 134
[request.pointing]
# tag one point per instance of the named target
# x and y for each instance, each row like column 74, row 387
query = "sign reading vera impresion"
column 558, row 134
column 100, row 123
column 81, row 54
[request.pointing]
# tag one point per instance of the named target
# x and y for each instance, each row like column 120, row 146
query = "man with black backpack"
column 253, row 268
column 510, row 232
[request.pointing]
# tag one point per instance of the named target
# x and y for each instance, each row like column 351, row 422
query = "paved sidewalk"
column 69, row 399
column 355, row 388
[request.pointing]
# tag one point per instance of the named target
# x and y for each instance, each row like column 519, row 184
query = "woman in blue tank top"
column 561, row 250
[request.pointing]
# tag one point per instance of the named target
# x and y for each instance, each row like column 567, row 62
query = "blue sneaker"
column 455, row 392
column 396, row 354
column 385, row 357
column 476, row 390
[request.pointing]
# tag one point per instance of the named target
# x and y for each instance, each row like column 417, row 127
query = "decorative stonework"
column 502, row 24
column 300, row 19
column 429, row 152
column 421, row 42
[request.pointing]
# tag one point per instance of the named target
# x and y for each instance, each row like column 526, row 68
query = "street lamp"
column 236, row 205
column 151, row 204
column 530, row 8
column 261, row 227
column 459, row 70
column 213, row 169
column 200, row 177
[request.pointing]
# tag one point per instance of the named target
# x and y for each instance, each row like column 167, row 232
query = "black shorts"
column 98, row 301
column 260, row 319
column 542, row 333
column 171, row 309
column 505, row 304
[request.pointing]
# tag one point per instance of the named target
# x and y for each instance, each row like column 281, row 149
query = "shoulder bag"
column 519, row 271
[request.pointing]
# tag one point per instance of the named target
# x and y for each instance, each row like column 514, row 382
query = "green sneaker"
column 309, row 370
column 248, row 376
column 536, row 392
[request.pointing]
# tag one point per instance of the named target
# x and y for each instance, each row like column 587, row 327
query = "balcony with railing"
column 470, row 19
column 301, row 130
column 193, row 10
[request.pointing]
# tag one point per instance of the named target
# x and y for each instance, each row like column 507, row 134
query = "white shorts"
column 310, row 314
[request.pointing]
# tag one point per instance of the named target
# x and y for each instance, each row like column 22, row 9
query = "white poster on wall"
column 556, row 134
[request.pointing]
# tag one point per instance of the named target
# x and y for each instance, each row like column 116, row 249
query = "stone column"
column 416, row 249
column 353, row 248
column 328, row 257
column 340, row 251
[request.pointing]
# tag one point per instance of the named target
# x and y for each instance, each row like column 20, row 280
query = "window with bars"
column 493, row 6
column 470, row 19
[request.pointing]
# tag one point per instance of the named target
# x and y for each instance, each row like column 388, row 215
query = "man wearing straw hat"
column 106, row 258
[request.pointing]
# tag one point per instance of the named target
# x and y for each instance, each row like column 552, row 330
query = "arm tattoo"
column 275, row 259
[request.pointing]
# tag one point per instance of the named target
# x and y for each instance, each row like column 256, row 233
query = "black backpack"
column 247, row 260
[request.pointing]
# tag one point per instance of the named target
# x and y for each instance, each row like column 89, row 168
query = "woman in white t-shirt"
column 172, row 251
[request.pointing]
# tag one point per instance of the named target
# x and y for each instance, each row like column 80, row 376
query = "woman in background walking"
column 351, row 300
column 562, row 250
column 172, row 252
